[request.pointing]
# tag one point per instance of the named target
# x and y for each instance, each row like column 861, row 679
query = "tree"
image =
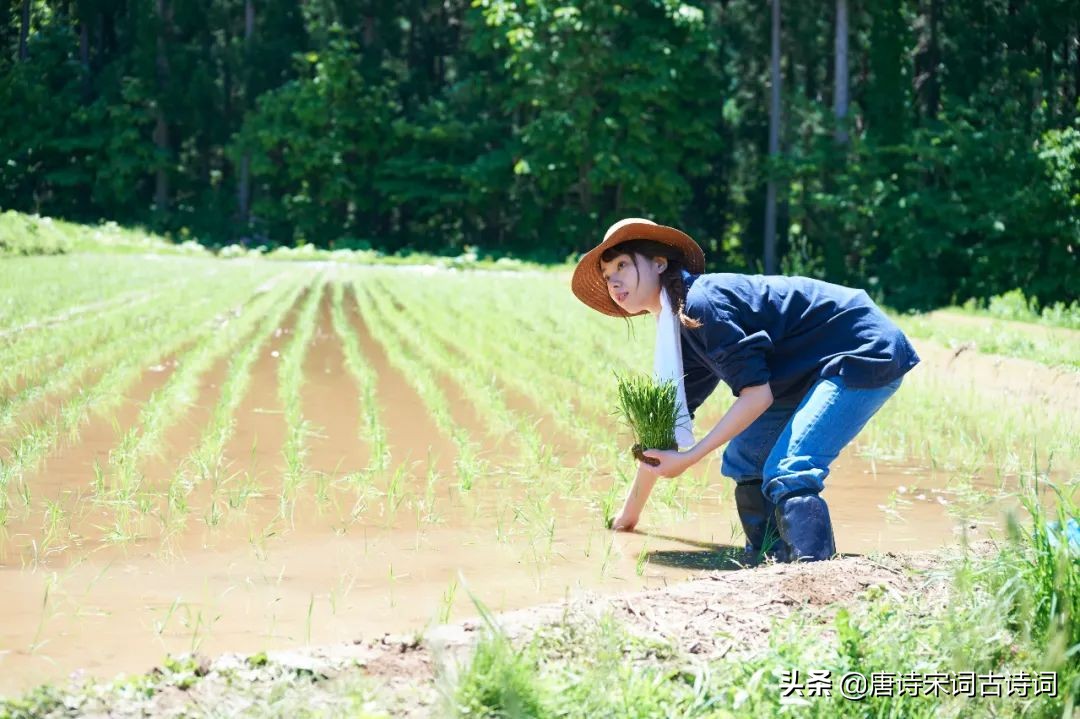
column 611, row 106
column 840, row 92
column 774, row 140
column 316, row 144
column 927, row 59
column 161, row 127
column 526, row 127
column 243, row 190
column 24, row 30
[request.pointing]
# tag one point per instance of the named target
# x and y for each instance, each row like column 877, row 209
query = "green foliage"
column 499, row 682
column 65, row 155
column 183, row 671
column 1014, row 305
column 1043, row 581
column 22, row 234
column 650, row 409
column 26, row 235
column 959, row 210
column 613, row 108
column 524, row 128
column 41, row 701
column 452, row 176
column 1060, row 314
column 315, row 143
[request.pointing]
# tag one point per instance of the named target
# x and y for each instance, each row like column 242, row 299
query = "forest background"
column 928, row 151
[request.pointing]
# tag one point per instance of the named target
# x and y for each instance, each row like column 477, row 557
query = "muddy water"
column 366, row 579
column 341, row 564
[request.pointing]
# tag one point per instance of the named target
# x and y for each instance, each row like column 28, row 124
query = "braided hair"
column 670, row 279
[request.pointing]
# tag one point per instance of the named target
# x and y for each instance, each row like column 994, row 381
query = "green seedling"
column 161, row 624
column 46, row 613
column 447, row 602
column 642, row 560
column 307, row 623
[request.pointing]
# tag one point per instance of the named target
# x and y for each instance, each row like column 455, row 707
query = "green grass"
column 1044, row 342
column 38, row 293
column 54, row 362
column 1014, row 305
column 24, row 235
column 1011, row 612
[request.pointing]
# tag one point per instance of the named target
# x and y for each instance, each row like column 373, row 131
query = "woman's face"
column 633, row 281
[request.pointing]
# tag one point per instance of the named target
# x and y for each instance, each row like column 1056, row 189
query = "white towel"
column 668, row 364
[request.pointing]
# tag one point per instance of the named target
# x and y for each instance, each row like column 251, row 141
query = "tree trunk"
column 1076, row 68
column 1049, row 84
column 774, row 142
column 1063, row 81
column 161, row 129
column 84, row 57
column 368, row 33
column 24, row 30
column 244, row 180
column 886, row 96
column 933, row 61
column 227, row 89
column 583, row 187
column 84, row 46
column 840, row 94
column 107, row 42
column 205, row 138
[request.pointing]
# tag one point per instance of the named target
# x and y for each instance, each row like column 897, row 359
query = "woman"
column 810, row 363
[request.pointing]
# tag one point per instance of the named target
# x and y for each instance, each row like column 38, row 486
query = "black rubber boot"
column 805, row 527
column 757, row 515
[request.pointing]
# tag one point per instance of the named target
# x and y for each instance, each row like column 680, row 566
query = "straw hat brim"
column 588, row 282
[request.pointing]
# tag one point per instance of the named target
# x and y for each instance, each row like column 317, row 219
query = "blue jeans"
column 789, row 448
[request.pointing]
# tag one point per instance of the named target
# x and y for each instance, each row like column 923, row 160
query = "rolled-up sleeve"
column 699, row 382
column 739, row 358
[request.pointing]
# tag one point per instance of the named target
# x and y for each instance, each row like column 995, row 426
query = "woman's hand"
column 625, row 522
column 672, row 462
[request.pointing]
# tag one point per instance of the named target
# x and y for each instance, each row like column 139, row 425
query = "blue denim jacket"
column 788, row 332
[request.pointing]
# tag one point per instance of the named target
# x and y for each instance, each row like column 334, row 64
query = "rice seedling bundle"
column 650, row 408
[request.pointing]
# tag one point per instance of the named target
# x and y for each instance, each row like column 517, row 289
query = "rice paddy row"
column 479, row 411
column 438, row 334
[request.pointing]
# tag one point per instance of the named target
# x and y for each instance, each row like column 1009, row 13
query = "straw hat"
column 588, row 281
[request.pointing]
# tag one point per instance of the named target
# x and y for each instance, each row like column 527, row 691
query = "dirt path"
column 1005, row 378
column 716, row 614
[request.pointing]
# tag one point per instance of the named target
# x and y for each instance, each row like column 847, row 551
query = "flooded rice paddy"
column 258, row 456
